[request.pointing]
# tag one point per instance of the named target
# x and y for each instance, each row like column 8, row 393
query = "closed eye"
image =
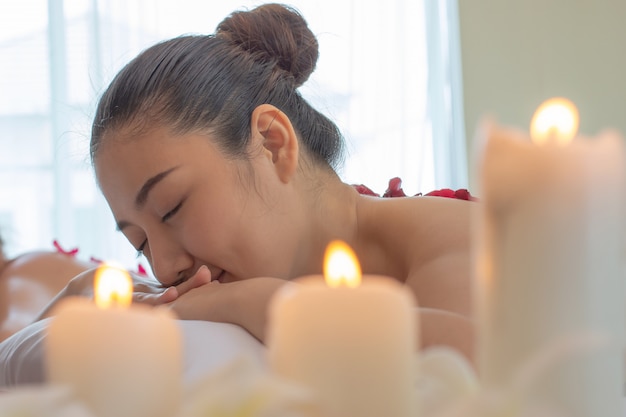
column 141, row 248
column 172, row 212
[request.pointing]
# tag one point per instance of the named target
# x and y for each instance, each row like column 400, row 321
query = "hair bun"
column 274, row 32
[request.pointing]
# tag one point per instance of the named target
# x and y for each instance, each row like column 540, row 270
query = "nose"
column 169, row 260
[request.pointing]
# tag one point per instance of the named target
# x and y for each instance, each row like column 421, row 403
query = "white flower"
column 445, row 378
column 243, row 389
column 42, row 401
column 448, row 386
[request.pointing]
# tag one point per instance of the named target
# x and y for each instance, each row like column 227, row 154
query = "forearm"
column 252, row 316
column 244, row 303
column 436, row 327
column 252, row 305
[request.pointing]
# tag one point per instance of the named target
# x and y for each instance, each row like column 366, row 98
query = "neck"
column 331, row 214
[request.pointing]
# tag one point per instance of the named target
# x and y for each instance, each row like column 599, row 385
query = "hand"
column 243, row 303
column 200, row 278
column 146, row 290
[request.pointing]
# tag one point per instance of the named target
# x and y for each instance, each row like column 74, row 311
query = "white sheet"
column 206, row 347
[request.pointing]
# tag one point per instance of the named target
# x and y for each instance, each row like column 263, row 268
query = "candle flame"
column 112, row 287
column 554, row 120
column 341, row 266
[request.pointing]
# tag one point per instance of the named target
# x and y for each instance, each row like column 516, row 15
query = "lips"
column 178, row 282
column 219, row 277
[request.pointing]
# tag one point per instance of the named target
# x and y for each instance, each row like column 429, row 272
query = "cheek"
column 218, row 224
column 209, row 231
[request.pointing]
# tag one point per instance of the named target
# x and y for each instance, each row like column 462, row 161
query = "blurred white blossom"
column 42, row 401
column 449, row 387
column 243, row 389
column 444, row 377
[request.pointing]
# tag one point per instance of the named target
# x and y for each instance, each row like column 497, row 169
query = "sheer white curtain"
column 387, row 75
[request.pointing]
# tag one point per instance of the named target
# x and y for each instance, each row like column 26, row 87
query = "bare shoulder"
column 427, row 225
column 429, row 238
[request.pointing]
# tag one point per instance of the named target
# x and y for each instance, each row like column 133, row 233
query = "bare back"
column 29, row 282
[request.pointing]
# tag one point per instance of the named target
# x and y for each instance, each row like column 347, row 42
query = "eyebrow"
column 144, row 191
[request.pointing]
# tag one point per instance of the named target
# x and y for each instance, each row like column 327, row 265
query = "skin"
column 223, row 234
column 29, row 282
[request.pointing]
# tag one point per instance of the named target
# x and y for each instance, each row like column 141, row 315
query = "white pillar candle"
column 121, row 360
column 549, row 263
column 352, row 344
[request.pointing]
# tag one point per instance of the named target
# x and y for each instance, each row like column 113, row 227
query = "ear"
column 278, row 137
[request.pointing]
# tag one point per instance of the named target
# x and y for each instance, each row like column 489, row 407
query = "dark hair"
column 213, row 83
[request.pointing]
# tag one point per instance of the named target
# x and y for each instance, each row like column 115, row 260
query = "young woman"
column 217, row 169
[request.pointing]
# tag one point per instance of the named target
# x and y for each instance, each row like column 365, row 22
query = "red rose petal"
column 141, row 270
column 444, row 192
column 71, row 252
column 362, row 189
column 395, row 188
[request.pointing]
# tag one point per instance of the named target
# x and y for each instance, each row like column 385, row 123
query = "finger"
column 147, row 285
column 146, row 298
column 150, row 288
column 169, row 295
column 154, row 299
column 200, row 278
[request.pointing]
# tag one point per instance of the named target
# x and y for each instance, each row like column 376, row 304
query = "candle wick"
column 553, row 134
column 115, row 299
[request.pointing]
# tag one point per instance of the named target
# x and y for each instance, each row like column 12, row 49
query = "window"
column 386, row 75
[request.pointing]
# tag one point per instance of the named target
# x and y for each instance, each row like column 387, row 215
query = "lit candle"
column 121, row 360
column 351, row 343
column 549, row 260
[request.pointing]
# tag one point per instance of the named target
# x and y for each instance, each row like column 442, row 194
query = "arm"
column 146, row 290
column 443, row 292
column 244, row 303
column 440, row 327
column 440, row 274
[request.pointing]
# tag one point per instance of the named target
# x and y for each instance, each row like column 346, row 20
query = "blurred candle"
column 549, row 261
column 351, row 342
column 121, row 360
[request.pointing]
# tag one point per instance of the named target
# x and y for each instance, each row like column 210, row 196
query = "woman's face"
column 184, row 204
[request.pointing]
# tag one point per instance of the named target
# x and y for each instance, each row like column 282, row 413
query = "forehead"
column 123, row 162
